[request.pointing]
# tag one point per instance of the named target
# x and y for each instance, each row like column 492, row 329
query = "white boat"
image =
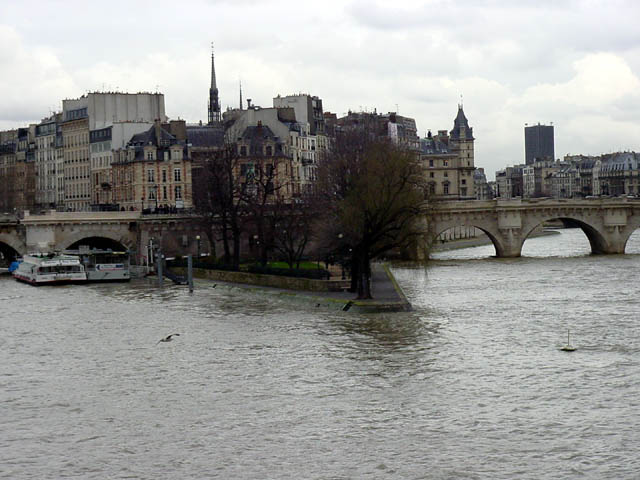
column 50, row 268
column 103, row 265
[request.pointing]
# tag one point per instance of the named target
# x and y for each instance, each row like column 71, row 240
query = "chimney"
column 158, row 130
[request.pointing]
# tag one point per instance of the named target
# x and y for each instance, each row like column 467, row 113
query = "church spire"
column 240, row 81
column 214, row 102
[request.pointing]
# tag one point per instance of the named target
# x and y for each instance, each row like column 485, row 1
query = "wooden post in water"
column 159, row 259
column 190, row 272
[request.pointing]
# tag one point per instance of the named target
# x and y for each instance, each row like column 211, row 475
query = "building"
column 103, row 142
column 96, row 112
column 46, row 156
column 153, row 171
column 77, row 168
column 25, row 172
column 448, row 159
column 302, row 149
column 509, row 182
column 538, row 143
column 618, row 174
column 8, row 144
column 481, row 186
column 399, row 129
column 307, row 109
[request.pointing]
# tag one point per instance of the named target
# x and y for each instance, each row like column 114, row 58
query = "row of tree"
column 366, row 202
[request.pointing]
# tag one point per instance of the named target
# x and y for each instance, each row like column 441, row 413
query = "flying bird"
column 168, row 338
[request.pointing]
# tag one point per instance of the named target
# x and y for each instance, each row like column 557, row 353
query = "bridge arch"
column 596, row 239
column 11, row 246
column 104, row 240
column 488, row 231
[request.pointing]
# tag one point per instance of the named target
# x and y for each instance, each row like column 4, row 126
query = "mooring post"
column 159, row 259
column 190, row 272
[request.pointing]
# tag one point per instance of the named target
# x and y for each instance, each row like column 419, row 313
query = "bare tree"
column 372, row 193
column 292, row 223
column 219, row 197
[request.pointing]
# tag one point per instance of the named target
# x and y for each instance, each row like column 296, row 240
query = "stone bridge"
column 607, row 222
column 55, row 231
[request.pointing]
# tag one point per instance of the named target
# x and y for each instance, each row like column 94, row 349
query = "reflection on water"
column 471, row 384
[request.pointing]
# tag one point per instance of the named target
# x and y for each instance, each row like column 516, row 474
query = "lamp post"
column 198, row 243
column 341, row 256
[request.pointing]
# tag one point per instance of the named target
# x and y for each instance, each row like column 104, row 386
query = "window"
column 446, row 174
column 269, row 150
column 464, row 181
column 445, row 187
column 164, row 193
column 178, row 191
column 176, row 175
column 430, row 174
column 431, row 163
column 243, row 151
column 164, row 176
column 149, row 155
column 446, row 163
column 463, row 192
column 150, row 176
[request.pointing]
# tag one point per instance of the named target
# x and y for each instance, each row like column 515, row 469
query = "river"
column 470, row 385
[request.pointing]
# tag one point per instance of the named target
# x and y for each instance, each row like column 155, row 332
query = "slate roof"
column 461, row 121
column 205, row 136
column 149, row 137
column 256, row 136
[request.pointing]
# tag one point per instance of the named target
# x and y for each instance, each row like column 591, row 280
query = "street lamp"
column 342, row 255
column 198, row 243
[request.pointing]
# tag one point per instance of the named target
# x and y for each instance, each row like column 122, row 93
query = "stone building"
column 46, row 156
column 153, row 171
column 8, row 144
column 77, row 168
column 618, row 174
column 399, row 129
column 286, row 136
column 97, row 111
column 103, row 142
column 481, row 186
column 448, row 159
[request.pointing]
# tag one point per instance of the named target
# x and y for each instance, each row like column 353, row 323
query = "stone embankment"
column 387, row 293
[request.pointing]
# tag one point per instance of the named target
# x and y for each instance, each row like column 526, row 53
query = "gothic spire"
column 214, row 102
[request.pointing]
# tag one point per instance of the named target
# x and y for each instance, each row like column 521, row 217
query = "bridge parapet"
column 53, row 217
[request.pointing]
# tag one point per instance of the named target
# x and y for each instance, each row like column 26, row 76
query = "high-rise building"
column 538, row 143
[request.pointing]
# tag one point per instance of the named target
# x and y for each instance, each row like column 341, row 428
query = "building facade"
column 448, row 160
column 153, row 171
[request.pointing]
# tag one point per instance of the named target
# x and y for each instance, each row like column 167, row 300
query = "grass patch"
column 303, row 265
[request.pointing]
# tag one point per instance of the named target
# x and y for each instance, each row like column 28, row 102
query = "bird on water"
column 168, row 338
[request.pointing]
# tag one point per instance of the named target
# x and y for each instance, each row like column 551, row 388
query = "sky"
column 573, row 63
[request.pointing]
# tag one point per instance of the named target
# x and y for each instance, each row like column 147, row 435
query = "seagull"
column 168, row 338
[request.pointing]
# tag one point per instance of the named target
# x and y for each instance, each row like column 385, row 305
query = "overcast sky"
column 573, row 63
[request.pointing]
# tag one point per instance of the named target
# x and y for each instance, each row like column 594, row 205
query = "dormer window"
column 269, row 150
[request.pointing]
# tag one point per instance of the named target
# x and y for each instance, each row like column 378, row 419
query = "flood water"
column 470, row 385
